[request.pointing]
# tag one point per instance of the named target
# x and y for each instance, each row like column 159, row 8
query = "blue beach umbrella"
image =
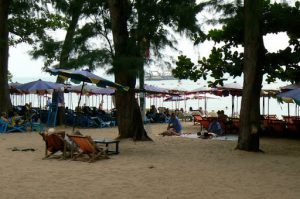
column 292, row 94
column 38, row 85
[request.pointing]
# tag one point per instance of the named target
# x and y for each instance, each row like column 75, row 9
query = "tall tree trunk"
column 76, row 6
column 129, row 117
column 142, row 95
column 5, row 103
column 253, row 56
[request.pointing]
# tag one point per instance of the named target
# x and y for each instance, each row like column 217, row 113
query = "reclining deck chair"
column 87, row 146
column 55, row 142
column 202, row 121
column 7, row 127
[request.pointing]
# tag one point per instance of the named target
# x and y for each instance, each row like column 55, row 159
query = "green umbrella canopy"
column 78, row 76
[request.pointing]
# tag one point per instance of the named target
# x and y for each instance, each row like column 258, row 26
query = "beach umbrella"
column 290, row 97
column 14, row 92
column 174, row 98
column 91, row 90
column 12, row 87
column 292, row 94
column 268, row 92
column 39, row 85
column 290, row 87
column 234, row 89
column 155, row 89
column 78, row 76
column 203, row 89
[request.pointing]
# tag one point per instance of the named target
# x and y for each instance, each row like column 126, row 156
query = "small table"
column 108, row 141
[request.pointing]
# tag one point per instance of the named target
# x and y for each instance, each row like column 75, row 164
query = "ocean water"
column 216, row 103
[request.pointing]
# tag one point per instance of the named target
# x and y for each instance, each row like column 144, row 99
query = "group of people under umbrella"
column 291, row 93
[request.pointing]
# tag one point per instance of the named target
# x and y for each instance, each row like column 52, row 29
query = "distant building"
column 158, row 76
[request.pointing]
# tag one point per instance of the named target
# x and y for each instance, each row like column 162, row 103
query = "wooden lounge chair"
column 88, row 147
column 55, row 142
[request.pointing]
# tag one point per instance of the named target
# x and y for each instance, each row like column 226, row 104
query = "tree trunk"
column 253, row 57
column 76, row 6
column 142, row 95
column 129, row 117
column 5, row 103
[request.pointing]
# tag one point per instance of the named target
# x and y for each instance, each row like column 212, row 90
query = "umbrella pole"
column 78, row 104
column 232, row 107
column 205, row 104
column 268, row 106
column 288, row 109
column 263, row 111
column 237, row 104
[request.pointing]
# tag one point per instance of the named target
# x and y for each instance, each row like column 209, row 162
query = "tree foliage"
column 227, row 57
column 89, row 19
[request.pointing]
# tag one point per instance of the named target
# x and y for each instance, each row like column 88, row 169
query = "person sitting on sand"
column 174, row 126
column 4, row 117
column 16, row 119
column 215, row 127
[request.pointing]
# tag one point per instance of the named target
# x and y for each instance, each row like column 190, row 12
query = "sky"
column 25, row 69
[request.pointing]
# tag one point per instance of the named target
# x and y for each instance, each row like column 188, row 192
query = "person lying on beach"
column 174, row 127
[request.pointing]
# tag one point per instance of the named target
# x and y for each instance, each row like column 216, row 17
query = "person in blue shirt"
column 174, row 126
column 215, row 127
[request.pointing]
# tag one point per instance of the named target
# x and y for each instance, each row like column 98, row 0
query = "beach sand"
column 168, row 167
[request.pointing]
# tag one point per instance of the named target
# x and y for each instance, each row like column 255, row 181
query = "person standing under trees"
column 59, row 100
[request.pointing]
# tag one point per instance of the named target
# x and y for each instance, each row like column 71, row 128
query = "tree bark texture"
column 130, row 123
column 5, row 103
column 253, row 58
column 75, row 10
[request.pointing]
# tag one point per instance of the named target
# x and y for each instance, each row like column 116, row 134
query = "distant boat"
column 158, row 76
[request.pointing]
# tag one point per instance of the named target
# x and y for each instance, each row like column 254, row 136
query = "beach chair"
column 278, row 128
column 197, row 119
column 55, row 142
column 202, row 121
column 294, row 128
column 88, row 147
column 3, row 126
column 7, row 127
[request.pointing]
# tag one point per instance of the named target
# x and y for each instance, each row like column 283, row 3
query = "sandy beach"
column 168, row 167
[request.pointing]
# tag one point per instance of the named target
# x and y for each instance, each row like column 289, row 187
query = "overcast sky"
column 24, row 68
